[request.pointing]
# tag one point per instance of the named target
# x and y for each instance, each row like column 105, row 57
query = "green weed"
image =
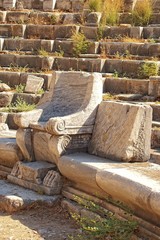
column 19, row 106
column 148, row 69
column 80, row 44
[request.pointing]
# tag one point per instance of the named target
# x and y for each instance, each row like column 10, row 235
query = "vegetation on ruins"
column 148, row 69
column 110, row 13
column 20, row 88
column 95, row 5
column 102, row 224
column 20, row 105
column 80, row 44
column 142, row 13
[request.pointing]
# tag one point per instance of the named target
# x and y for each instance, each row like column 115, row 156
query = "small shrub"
column 43, row 52
column 95, row 5
column 53, row 19
column 81, row 44
column 20, row 88
column 19, row 106
column 142, row 13
column 148, row 69
column 103, row 226
column 110, row 13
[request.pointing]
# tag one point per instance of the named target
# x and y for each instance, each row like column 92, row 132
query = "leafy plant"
column 103, row 226
column 19, row 106
column 20, row 88
column 80, row 44
column 148, row 69
column 95, row 5
column 142, row 13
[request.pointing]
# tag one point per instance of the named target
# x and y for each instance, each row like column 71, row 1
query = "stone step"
column 155, row 156
column 14, row 198
column 140, row 182
column 52, row 32
column 120, row 50
column 126, row 18
column 127, row 49
column 155, row 140
column 32, row 31
column 39, row 17
column 44, row 47
column 124, row 68
column 126, row 85
column 15, row 78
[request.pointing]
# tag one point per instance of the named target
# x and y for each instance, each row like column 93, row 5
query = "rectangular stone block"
column 49, row 5
column 122, row 132
column 9, row 4
column 10, row 78
column 3, row 16
column 33, row 84
column 40, row 32
column 136, row 32
column 64, row 5
column 1, row 43
column 154, row 86
column 41, row 147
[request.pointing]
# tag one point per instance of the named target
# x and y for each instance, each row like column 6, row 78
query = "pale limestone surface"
column 62, row 107
column 4, row 87
column 33, row 84
column 9, row 152
column 14, row 198
column 122, row 132
column 38, row 176
column 137, row 185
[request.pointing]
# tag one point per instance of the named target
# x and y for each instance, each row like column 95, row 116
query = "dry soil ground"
column 40, row 223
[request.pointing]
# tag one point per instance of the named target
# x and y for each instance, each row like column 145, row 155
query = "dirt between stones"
column 40, row 223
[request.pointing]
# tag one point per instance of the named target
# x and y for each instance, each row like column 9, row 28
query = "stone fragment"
column 24, row 141
column 5, row 98
column 33, row 84
column 53, row 182
column 9, row 152
column 4, row 87
column 33, row 171
column 122, row 132
column 14, row 198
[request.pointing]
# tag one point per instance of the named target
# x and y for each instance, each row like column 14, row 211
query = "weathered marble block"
column 122, row 132
column 33, row 84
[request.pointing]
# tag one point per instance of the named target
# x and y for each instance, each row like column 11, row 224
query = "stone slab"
column 14, row 198
column 137, row 185
column 33, row 84
column 122, row 132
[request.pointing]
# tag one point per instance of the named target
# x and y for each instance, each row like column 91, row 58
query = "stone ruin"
column 94, row 132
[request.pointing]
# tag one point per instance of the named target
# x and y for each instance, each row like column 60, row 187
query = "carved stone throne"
column 64, row 118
